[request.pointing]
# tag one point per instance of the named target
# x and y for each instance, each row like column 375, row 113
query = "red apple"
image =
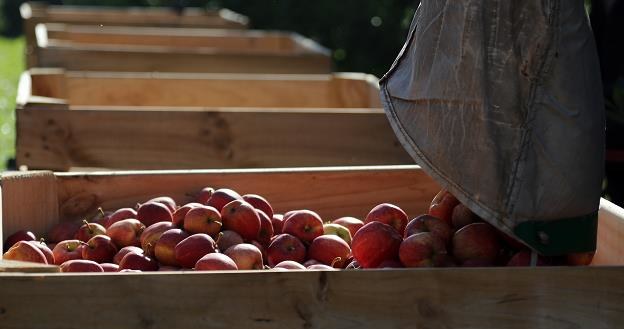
column 204, row 195
column 374, row 243
column 65, row 230
column 120, row 214
column 215, row 262
column 290, row 265
column 351, row 223
column 21, row 235
column 580, row 258
column 134, row 261
column 462, row 216
column 166, row 268
column 151, row 234
column 221, row 197
column 124, row 251
column 26, row 252
column 338, row 230
column 304, row 224
column 126, row 232
column 47, row 252
column 165, row 246
column 165, row 200
column 227, row 239
column 99, row 249
column 203, row 219
column 523, row 258
column 266, row 229
column 428, row 223
column 191, row 249
column 390, row 214
column 89, row 230
column 442, row 206
column 154, row 212
column 259, row 203
column 330, row 250
column 180, row 213
column 263, row 250
column 81, row 265
column 423, row 250
column 241, row 217
column 246, row 256
column 286, row 247
column 110, row 267
column 477, row 243
column 277, row 221
column 390, row 263
column 321, row 267
column 67, row 250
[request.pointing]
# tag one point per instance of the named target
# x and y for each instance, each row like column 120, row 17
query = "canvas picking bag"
column 501, row 102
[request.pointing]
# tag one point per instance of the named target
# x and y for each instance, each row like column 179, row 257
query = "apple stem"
column 336, row 260
column 101, row 211
column 88, row 226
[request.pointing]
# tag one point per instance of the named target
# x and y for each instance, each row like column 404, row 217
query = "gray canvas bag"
column 501, row 102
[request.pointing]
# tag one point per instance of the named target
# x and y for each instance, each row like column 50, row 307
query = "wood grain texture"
column 349, row 90
column 610, row 235
column 59, row 139
column 25, row 267
column 537, row 298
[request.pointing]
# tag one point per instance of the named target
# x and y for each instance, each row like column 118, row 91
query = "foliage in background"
column 11, row 66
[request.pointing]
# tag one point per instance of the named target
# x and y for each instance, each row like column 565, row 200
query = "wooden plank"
column 26, row 267
column 537, row 298
column 610, row 235
column 152, row 139
column 29, row 200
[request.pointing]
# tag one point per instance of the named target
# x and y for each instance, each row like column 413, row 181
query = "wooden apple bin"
column 164, row 49
column 508, row 298
column 69, row 120
column 35, row 13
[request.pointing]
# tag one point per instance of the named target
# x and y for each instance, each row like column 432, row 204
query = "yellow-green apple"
column 321, row 267
column 154, row 212
column 330, row 250
column 26, row 252
column 303, row 224
column 462, row 216
column 203, row 219
column 266, row 229
column 374, row 243
column 126, row 232
column 476, row 243
column 120, row 214
column 227, row 239
column 164, row 250
column 215, row 262
column 338, row 230
column 390, row 214
column 180, row 213
column 151, row 234
column 124, row 251
column 289, row 265
column 61, row 231
column 277, row 221
column 99, row 249
column 190, row 250
column 204, row 195
column 442, row 206
column 423, row 249
column 286, row 247
column 259, row 203
column 47, row 252
column 167, row 201
column 21, row 235
column 428, row 223
column 134, row 261
column 351, row 223
column 109, row 267
column 67, row 250
column 246, row 256
column 81, row 265
column 221, row 197
column 89, row 230
column 241, row 217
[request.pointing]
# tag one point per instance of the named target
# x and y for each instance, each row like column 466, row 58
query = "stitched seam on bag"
column 406, row 46
column 543, row 69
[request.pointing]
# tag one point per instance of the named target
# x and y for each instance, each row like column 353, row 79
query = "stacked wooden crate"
column 243, row 103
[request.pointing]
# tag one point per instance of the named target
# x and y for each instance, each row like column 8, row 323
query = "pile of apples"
column 223, row 230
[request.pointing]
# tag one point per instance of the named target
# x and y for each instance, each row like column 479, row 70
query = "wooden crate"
column 505, row 298
column 165, row 49
column 183, row 121
column 35, row 13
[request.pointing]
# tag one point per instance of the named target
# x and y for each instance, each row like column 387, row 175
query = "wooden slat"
column 538, row 298
column 26, row 267
column 152, row 139
column 610, row 235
